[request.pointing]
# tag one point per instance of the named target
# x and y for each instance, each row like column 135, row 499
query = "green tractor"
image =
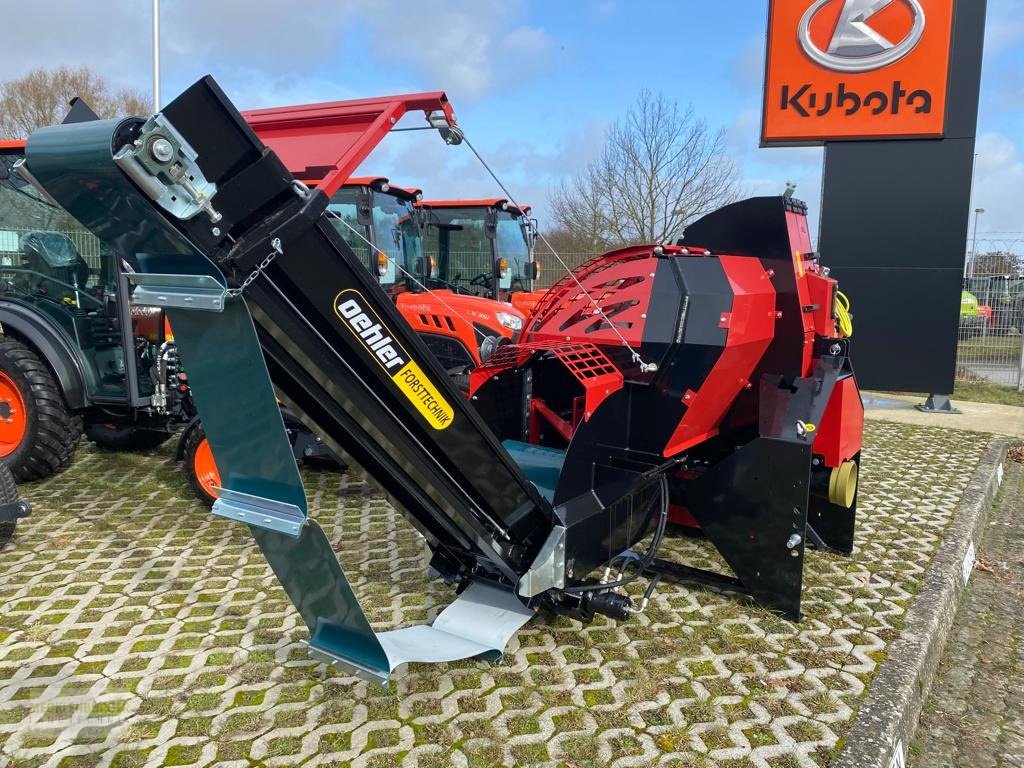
column 75, row 355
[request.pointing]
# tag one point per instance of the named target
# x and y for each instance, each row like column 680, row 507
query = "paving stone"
column 975, row 711
column 138, row 630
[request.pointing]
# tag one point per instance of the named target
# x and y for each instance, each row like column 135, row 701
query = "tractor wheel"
column 124, row 437
column 8, row 494
column 200, row 467
column 38, row 435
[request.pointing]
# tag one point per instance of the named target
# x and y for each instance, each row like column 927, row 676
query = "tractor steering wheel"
column 483, row 280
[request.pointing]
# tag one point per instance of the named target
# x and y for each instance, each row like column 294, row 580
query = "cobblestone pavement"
column 136, row 629
column 975, row 714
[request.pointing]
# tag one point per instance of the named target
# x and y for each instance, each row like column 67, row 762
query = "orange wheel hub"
column 13, row 418
column 206, row 469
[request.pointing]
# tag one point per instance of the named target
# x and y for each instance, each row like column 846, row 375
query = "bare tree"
column 996, row 263
column 41, row 98
column 661, row 168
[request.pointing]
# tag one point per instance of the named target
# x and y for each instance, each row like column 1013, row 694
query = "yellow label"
column 428, row 401
column 366, row 325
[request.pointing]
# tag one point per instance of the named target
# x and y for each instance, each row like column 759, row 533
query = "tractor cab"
column 484, row 247
column 371, row 211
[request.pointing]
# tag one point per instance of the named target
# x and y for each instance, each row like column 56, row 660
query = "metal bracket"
column 938, row 404
column 548, row 569
column 182, row 291
column 164, row 166
column 331, row 659
column 259, row 511
column 14, row 510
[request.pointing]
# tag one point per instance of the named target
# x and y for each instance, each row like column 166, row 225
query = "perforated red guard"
column 586, row 362
column 617, row 291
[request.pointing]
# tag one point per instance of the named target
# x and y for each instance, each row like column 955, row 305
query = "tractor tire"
column 38, row 434
column 199, row 466
column 8, row 494
column 123, row 437
column 460, row 378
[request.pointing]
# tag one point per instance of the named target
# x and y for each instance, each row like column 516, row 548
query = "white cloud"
column 1004, row 27
column 462, row 47
column 268, row 49
column 999, row 183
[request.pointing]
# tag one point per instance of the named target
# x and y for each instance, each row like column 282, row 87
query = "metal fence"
column 991, row 345
column 86, row 242
column 551, row 270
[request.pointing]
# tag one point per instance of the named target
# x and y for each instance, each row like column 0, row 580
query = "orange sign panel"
column 850, row 69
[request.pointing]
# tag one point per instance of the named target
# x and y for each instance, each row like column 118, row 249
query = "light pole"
column 156, row 56
column 974, row 240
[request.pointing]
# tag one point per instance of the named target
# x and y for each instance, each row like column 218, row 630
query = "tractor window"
column 513, row 248
column 53, row 265
column 467, row 254
column 388, row 215
column 344, row 205
column 412, row 244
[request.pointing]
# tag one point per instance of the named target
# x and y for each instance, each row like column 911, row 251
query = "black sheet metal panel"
column 894, row 227
column 437, row 458
column 757, row 227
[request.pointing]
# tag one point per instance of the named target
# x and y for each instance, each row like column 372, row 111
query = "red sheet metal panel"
column 327, row 142
column 842, row 425
column 616, row 283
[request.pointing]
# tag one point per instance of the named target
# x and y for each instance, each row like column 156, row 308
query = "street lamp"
column 156, row 56
column 974, row 242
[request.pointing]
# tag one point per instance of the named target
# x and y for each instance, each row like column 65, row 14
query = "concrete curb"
column 889, row 714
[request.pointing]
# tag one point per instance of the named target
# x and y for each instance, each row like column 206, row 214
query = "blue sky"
column 534, row 84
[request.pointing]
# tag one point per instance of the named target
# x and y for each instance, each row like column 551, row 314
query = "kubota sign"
column 852, row 69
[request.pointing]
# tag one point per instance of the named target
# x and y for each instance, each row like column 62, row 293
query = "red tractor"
column 384, row 224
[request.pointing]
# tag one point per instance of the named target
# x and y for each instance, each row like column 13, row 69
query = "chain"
column 233, row 293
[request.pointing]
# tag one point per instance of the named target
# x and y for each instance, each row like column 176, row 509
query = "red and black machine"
column 707, row 381
column 721, row 361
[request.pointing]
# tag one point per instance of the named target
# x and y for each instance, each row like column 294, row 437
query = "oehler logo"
column 371, row 333
column 356, row 315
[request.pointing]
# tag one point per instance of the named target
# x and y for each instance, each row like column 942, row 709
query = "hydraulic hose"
column 843, row 316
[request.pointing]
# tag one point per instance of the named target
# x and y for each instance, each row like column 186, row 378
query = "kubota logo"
column 856, row 69
column 856, row 45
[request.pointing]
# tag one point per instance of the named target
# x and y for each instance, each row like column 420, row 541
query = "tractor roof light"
column 382, row 263
column 503, row 268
